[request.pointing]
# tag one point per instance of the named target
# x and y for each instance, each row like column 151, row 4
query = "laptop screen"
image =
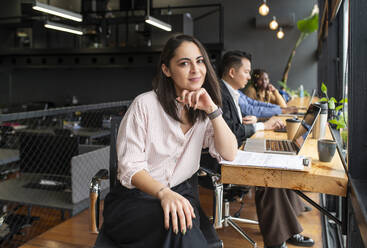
column 312, row 96
column 306, row 125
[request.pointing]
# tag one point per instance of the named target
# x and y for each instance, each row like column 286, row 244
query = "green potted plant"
column 337, row 120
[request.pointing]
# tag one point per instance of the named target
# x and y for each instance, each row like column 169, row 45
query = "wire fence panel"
column 47, row 159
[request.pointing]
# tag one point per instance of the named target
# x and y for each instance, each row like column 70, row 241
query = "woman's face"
column 187, row 68
column 263, row 81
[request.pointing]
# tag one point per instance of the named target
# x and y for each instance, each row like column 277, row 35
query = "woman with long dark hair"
column 262, row 90
column 159, row 145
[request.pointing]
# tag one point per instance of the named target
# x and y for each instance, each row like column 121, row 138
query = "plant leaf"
column 333, row 121
column 309, row 24
column 340, row 125
column 324, row 99
column 344, row 100
column 339, row 107
column 281, row 84
column 332, row 99
column 323, row 88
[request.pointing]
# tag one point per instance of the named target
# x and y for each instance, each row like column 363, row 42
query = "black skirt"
column 134, row 219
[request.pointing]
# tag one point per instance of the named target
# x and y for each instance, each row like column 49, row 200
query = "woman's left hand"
column 198, row 99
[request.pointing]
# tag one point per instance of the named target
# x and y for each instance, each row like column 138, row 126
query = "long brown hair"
column 164, row 86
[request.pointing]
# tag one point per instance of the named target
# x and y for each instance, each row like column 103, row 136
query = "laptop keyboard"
column 279, row 145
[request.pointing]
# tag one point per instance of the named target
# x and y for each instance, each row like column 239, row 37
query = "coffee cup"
column 292, row 126
column 326, row 149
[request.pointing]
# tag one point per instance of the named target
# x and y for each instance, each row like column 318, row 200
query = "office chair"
column 223, row 193
column 102, row 240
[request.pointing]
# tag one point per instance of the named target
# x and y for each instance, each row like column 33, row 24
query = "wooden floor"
column 48, row 218
column 310, row 221
column 74, row 232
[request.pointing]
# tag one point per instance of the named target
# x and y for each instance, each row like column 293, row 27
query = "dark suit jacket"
column 277, row 209
column 230, row 115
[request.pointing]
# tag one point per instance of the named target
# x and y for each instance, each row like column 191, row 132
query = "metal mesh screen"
column 47, row 159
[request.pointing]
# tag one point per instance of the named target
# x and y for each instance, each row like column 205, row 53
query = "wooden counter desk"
column 329, row 178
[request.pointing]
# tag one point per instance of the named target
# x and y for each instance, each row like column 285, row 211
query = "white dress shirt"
column 149, row 139
column 235, row 96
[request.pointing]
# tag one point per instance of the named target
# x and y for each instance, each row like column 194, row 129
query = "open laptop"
column 287, row 146
column 284, row 129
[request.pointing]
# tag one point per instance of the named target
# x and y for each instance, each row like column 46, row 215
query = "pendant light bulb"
column 280, row 34
column 273, row 25
column 264, row 9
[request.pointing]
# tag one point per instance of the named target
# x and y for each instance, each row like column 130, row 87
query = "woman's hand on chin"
column 198, row 99
column 271, row 88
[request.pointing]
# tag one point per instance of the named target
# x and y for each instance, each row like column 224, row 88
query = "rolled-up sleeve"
column 131, row 145
column 209, row 141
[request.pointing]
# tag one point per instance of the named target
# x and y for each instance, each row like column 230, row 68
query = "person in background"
column 277, row 209
column 158, row 148
column 284, row 94
column 262, row 90
column 260, row 109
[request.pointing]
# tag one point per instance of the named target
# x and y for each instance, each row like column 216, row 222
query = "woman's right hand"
column 271, row 88
column 178, row 207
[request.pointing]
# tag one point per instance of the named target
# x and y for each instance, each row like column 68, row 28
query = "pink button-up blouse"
column 149, row 139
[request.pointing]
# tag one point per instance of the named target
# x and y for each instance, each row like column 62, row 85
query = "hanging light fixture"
column 155, row 22
column 62, row 27
column 57, row 11
column 273, row 25
column 264, row 9
column 280, row 34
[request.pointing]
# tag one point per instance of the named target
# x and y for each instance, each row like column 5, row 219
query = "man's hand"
column 249, row 119
column 289, row 110
column 273, row 123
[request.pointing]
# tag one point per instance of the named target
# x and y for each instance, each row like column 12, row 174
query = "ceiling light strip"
column 58, row 12
column 158, row 23
column 64, row 28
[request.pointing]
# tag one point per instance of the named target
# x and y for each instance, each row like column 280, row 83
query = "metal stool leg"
column 229, row 221
column 218, row 206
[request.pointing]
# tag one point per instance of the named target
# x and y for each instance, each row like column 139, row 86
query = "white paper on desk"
column 268, row 160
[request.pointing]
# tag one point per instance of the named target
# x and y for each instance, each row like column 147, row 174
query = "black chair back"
column 115, row 124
